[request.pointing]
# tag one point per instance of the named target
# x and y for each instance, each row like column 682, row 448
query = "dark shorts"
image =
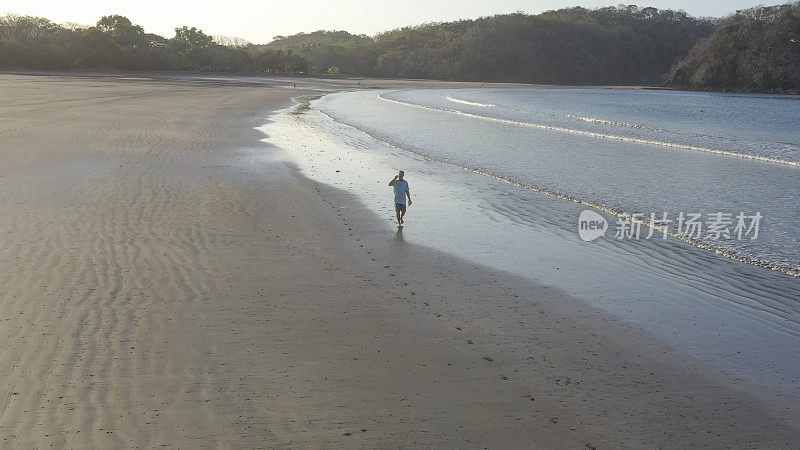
column 400, row 207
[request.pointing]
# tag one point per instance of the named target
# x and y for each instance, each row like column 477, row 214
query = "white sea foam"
column 605, row 122
column 465, row 102
column 600, row 135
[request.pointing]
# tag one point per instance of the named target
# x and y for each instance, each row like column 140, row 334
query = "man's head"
column 400, row 175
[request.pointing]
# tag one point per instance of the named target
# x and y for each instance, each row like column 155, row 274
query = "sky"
column 260, row 21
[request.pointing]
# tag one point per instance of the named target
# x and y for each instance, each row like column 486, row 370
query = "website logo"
column 591, row 225
column 713, row 226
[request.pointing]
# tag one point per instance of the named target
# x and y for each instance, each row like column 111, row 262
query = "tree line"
column 622, row 45
column 756, row 49
column 612, row 45
column 115, row 43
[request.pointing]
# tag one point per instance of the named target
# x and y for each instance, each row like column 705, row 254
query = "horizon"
column 281, row 20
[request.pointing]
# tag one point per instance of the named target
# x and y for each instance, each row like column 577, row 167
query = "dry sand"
column 163, row 283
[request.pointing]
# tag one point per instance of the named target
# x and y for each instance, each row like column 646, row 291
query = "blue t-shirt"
column 400, row 188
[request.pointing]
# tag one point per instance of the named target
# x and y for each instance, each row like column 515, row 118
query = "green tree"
column 123, row 31
column 191, row 48
column 753, row 50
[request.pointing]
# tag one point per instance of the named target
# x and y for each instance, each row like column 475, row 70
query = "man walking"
column 400, row 193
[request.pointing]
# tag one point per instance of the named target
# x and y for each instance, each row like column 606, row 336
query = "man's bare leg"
column 399, row 218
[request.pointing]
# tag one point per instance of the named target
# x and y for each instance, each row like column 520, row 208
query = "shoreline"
column 314, row 80
column 182, row 284
column 341, row 186
column 783, row 268
column 490, row 328
column 378, row 81
column 734, row 316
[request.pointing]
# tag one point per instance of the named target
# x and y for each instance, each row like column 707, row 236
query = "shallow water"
column 742, row 317
column 529, row 137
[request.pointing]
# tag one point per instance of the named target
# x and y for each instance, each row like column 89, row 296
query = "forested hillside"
column 614, row 45
column 754, row 50
column 603, row 46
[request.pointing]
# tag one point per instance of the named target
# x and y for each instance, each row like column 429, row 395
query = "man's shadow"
column 398, row 237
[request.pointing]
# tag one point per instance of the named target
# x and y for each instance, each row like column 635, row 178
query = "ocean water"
column 500, row 177
column 629, row 151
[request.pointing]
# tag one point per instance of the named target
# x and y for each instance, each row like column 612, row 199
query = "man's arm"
column 408, row 193
column 391, row 183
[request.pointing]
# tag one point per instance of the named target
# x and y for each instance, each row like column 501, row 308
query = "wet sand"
column 163, row 283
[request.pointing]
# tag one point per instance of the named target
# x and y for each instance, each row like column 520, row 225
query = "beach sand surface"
column 166, row 279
